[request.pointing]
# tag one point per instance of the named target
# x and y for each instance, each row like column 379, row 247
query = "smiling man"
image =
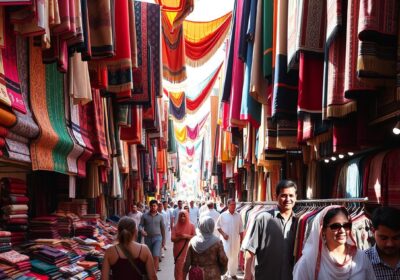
column 272, row 238
column 385, row 255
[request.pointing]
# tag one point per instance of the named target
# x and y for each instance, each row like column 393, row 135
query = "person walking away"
column 180, row 236
column 211, row 212
column 330, row 251
column 385, row 255
column 230, row 227
column 272, row 236
column 153, row 230
column 194, row 213
column 176, row 212
column 136, row 216
column 206, row 251
column 160, row 210
column 128, row 257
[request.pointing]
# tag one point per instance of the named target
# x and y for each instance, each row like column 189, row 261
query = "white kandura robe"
column 232, row 225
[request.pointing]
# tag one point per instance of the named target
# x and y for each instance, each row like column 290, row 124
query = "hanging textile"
column 268, row 36
column 180, row 133
column 119, row 67
column 7, row 118
column 9, row 80
column 235, row 99
column 354, row 85
column 177, row 105
column 377, row 31
column 32, row 20
column 42, row 147
column 391, row 179
column 250, row 110
column 190, row 151
column 132, row 31
column 203, row 39
column 171, row 137
column 79, row 87
column 133, row 134
column 194, row 133
column 258, row 80
column 173, row 47
column 285, row 86
column 26, row 125
column 93, row 115
column 194, row 103
column 306, row 29
column 375, row 194
column 100, row 16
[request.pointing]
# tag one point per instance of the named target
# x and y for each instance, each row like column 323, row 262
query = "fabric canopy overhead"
column 202, row 39
column 185, row 133
column 173, row 12
column 177, row 105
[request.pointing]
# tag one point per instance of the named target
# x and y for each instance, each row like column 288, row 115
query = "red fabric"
column 194, row 104
column 10, row 78
column 311, row 70
column 3, row 131
column 345, row 135
column 133, row 134
column 391, row 178
column 205, row 46
column 38, row 276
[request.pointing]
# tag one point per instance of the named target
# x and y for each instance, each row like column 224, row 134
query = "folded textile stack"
column 44, row 227
column 19, row 262
column 80, row 276
column 46, row 269
column 52, row 256
column 15, row 208
column 77, row 206
column 71, row 270
column 37, row 276
column 64, row 226
column 86, row 230
column 5, row 242
column 91, row 267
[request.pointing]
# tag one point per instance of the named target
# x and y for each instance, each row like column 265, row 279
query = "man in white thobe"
column 193, row 213
column 230, row 227
column 214, row 214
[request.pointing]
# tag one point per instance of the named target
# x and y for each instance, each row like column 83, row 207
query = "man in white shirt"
column 193, row 213
column 230, row 227
column 136, row 216
column 211, row 212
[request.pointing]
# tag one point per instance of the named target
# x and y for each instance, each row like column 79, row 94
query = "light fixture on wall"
column 350, row 153
column 396, row 129
column 326, row 160
column 333, row 158
column 341, row 156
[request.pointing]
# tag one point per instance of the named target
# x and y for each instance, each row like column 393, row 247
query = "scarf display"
column 101, row 30
column 377, row 31
column 205, row 237
column 79, row 87
column 203, row 39
column 9, row 80
column 133, row 133
column 177, row 105
column 42, row 147
column 268, row 37
column 285, row 88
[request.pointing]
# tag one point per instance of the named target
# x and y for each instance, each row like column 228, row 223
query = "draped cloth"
column 42, row 147
column 268, row 35
column 377, row 31
column 173, row 46
column 177, row 105
column 374, row 189
column 79, row 87
column 133, row 134
column 285, row 87
column 250, row 110
column 120, row 65
column 171, row 137
column 306, row 28
column 9, row 80
column 101, row 30
column 235, row 100
column 203, row 39
column 391, row 180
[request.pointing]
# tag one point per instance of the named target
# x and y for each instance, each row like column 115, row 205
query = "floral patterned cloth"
column 13, row 257
column 210, row 261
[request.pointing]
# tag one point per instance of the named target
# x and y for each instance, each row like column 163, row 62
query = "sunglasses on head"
column 337, row 226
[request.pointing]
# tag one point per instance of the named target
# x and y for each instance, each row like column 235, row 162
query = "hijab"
column 317, row 260
column 186, row 227
column 205, row 237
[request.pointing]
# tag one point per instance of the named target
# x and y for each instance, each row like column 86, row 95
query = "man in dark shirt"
column 272, row 238
column 153, row 229
column 385, row 255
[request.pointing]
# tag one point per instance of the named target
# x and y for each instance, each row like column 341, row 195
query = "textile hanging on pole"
column 203, row 39
column 284, row 106
column 177, row 105
column 173, row 13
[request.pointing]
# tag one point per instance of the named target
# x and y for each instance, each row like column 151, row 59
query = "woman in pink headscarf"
column 181, row 233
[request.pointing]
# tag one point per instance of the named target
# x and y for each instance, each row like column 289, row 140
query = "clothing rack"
column 307, row 201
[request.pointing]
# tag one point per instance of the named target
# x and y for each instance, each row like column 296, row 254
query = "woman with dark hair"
column 330, row 251
column 206, row 251
column 128, row 259
column 181, row 233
